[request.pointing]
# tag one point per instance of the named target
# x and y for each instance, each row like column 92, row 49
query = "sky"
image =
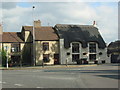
column 14, row 15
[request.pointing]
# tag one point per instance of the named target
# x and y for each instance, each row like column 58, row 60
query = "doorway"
column 56, row 59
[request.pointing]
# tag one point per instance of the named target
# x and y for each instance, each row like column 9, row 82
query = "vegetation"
column 3, row 57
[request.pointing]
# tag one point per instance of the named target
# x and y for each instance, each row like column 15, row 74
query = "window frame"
column 75, row 49
column 92, row 47
column 45, row 46
column 73, row 56
column 92, row 59
column 93, row 51
column 15, row 47
column 47, row 57
column 76, row 53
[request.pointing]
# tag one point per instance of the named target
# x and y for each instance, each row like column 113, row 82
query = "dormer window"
column 92, row 47
column 75, row 47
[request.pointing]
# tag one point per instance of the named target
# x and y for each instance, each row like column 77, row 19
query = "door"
column 56, row 59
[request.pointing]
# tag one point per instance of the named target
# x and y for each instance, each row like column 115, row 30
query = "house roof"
column 43, row 32
column 0, row 37
column 114, row 47
column 11, row 37
column 79, row 33
column 27, row 28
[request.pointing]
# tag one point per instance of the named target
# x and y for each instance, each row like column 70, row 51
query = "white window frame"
column 93, row 52
column 79, row 50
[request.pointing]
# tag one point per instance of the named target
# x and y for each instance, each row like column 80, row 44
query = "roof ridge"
column 11, row 32
column 77, row 25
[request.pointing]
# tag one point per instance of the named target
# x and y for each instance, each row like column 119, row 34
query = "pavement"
column 99, row 76
column 46, row 67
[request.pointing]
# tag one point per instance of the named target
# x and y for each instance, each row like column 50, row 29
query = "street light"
column 6, row 48
column 33, row 38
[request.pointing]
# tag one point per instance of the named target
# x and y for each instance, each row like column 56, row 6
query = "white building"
column 81, row 44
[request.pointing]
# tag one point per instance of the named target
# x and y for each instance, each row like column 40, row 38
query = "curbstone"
column 46, row 67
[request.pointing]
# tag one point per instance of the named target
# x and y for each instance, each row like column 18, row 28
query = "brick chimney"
column 37, row 23
column 1, row 30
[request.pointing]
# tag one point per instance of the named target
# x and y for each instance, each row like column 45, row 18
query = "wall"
column 27, row 36
column 9, row 48
column 27, row 48
column 27, row 53
column 104, row 56
column 53, row 49
column 64, row 56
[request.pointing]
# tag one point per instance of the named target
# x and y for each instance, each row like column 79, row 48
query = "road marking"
column 2, row 82
column 18, row 84
column 39, row 87
column 37, row 71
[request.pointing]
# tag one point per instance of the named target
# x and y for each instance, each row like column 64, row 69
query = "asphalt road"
column 101, row 76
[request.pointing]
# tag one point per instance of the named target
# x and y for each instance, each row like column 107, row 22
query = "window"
column 92, row 47
column 46, row 58
column 45, row 46
column 15, row 47
column 75, row 51
column 75, row 57
column 92, row 57
column 75, row 47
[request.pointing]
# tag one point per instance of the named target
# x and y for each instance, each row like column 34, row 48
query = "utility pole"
column 33, row 38
column 7, row 57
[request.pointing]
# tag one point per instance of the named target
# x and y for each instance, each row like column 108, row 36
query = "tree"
column 3, row 57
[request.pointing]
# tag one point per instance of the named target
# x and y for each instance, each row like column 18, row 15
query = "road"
column 101, row 76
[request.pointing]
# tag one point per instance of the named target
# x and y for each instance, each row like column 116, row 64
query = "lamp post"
column 33, row 38
column 6, row 48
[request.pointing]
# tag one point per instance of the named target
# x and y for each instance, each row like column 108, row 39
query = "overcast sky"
column 17, row 14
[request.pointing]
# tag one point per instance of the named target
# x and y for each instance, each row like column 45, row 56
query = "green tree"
column 3, row 57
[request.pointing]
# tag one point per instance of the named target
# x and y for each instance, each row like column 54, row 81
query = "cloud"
column 8, row 5
column 105, row 15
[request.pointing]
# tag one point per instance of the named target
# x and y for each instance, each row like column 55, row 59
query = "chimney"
column 1, row 30
column 37, row 23
column 94, row 23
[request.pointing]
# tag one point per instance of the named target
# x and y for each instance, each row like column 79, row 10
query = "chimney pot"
column 94, row 23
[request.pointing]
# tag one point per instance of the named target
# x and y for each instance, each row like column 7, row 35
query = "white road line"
column 39, row 87
column 37, row 71
column 18, row 85
column 2, row 82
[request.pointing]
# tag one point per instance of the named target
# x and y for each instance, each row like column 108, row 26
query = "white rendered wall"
column 64, row 56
